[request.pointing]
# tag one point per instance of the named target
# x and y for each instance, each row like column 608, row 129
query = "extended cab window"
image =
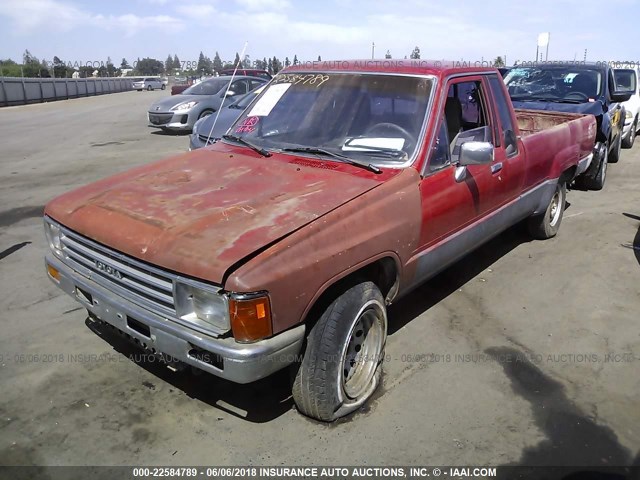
column 508, row 132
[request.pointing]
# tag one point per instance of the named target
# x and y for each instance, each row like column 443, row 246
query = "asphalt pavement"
column 525, row 352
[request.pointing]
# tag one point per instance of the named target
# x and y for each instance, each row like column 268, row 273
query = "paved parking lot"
column 526, row 352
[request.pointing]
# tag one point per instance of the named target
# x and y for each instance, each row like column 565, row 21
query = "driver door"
column 450, row 206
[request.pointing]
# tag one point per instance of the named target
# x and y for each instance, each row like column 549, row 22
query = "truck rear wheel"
column 547, row 224
column 596, row 182
column 342, row 364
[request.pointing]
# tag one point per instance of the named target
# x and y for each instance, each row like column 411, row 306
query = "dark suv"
column 576, row 87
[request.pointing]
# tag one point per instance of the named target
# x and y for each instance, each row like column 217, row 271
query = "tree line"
column 31, row 66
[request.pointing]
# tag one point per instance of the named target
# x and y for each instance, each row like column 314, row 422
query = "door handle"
column 496, row 167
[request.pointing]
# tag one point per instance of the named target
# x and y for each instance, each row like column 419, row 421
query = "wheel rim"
column 204, row 114
column 364, row 350
column 632, row 136
column 556, row 207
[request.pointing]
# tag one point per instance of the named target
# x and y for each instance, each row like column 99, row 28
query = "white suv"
column 627, row 77
column 149, row 83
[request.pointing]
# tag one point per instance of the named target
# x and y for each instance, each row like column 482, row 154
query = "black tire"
column 342, row 364
column 628, row 142
column 596, row 182
column 614, row 156
column 547, row 224
column 205, row 113
column 149, row 88
column 162, row 87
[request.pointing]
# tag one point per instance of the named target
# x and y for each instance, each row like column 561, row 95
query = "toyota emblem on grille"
column 157, row 108
column 103, row 267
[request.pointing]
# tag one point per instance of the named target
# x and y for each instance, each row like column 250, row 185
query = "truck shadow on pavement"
column 574, row 439
column 270, row 398
column 635, row 246
column 453, row 278
column 258, row 402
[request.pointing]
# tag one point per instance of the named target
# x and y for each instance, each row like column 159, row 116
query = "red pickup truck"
column 335, row 193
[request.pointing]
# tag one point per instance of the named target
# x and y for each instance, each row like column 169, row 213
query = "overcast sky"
column 82, row 30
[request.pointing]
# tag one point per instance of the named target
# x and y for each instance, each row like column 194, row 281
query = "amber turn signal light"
column 250, row 318
column 53, row 273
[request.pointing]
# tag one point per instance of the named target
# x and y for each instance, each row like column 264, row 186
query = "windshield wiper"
column 234, row 138
column 322, row 151
column 561, row 100
column 542, row 99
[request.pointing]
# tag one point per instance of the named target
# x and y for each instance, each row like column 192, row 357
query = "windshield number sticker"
column 316, row 79
column 248, row 125
column 268, row 100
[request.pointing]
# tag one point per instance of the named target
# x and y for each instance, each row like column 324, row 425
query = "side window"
column 239, row 87
column 440, row 154
column 467, row 116
column 255, row 84
column 508, row 132
column 469, row 94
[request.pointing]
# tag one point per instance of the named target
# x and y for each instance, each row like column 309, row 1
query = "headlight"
column 52, row 232
column 184, row 106
column 197, row 125
column 204, row 307
column 628, row 115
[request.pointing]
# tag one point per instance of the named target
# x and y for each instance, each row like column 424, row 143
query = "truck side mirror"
column 475, row 153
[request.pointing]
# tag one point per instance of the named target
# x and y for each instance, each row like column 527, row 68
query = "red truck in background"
column 336, row 192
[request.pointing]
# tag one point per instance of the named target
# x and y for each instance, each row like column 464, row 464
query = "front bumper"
column 223, row 357
column 170, row 120
column 195, row 142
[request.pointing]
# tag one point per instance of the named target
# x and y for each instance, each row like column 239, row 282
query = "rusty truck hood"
column 202, row 212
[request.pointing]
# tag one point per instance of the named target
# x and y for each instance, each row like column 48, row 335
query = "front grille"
column 160, row 118
column 129, row 278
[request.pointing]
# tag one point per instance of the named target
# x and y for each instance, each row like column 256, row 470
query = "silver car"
column 149, row 83
column 180, row 112
column 209, row 129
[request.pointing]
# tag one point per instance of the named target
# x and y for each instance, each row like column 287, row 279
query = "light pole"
column 543, row 41
column 373, row 49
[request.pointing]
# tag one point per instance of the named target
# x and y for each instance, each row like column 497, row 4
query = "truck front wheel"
column 614, row 156
column 546, row 225
column 342, row 364
column 596, row 182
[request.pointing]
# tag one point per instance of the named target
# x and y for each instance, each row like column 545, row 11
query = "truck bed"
column 533, row 121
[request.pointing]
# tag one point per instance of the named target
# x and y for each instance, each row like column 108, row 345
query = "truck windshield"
column 361, row 116
column 566, row 84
